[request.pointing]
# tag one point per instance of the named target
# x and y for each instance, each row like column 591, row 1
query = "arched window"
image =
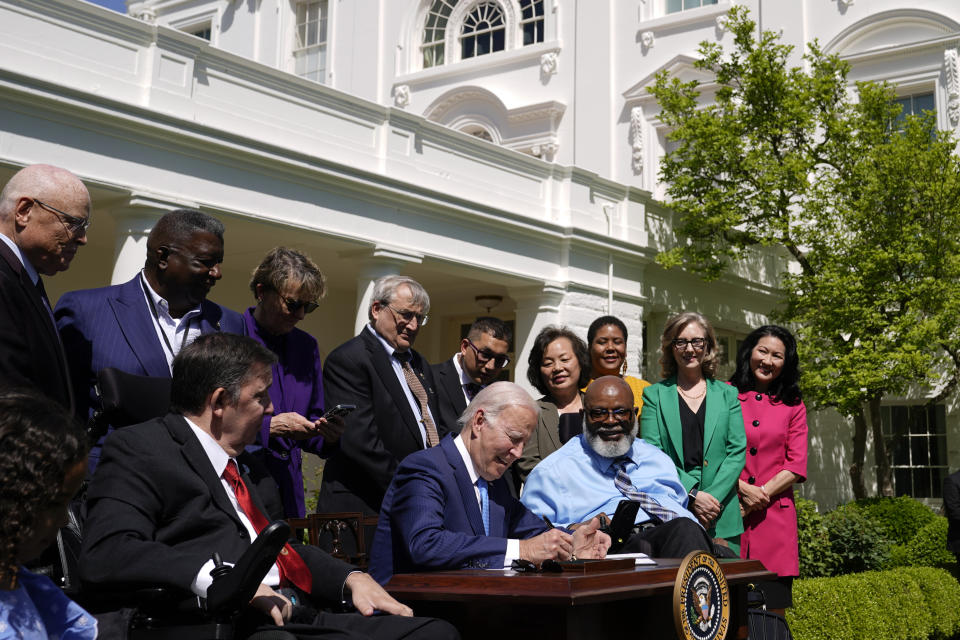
column 479, row 27
column 483, row 31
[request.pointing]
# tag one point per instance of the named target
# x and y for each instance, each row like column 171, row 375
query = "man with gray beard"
column 608, row 463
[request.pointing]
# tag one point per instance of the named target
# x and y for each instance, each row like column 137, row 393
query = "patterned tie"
column 647, row 503
column 471, row 389
column 416, row 387
column 292, row 567
column 484, row 505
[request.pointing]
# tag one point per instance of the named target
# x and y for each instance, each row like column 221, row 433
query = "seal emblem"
column 701, row 598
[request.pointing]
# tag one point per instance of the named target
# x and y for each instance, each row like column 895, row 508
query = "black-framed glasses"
column 294, row 306
column 680, row 344
column 500, row 360
column 72, row 224
column 410, row 316
column 619, row 413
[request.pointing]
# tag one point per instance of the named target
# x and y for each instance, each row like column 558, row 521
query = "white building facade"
column 502, row 152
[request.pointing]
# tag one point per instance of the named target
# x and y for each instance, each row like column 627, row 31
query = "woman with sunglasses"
column 607, row 340
column 775, row 419
column 696, row 420
column 558, row 367
column 287, row 286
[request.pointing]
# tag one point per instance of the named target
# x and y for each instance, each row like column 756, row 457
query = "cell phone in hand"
column 339, row 411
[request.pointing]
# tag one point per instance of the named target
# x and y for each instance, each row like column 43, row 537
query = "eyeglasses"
column 500, row 360
column 410, row 316
column 619, row 414
column 71, row 223
column 293, row 306
column 697, row 343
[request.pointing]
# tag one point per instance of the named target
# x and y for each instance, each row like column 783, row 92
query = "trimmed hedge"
column 857, row 541
column 928, row 547
column 900, row 604
column 900, row 518
column 817, row 559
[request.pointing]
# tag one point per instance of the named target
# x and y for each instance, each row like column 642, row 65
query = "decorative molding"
column 636, row 139
column 951, row 63
column 147, row 14
column 647, row 40
column 545, row 151
column 401, row 95
column 845, row 3
column 548, row 63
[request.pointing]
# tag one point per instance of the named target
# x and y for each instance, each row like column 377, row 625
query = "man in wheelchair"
column 170, row 492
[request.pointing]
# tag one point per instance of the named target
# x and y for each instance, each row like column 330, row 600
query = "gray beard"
column 610, row 449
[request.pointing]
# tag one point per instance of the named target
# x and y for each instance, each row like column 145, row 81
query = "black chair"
column 126, row 399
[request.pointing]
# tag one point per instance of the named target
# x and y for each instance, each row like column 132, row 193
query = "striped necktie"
column 647, row 503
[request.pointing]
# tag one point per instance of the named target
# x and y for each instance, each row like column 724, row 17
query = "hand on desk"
column 589, row 542
column 549, row 545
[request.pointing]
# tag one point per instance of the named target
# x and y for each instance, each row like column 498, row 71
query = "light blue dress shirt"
column 574, row 483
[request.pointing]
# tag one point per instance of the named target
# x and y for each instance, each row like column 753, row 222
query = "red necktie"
column 292, row 567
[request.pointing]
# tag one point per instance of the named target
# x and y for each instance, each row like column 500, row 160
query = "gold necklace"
column 690, row 397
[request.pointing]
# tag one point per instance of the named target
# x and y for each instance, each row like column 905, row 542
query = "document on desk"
column 640, row 558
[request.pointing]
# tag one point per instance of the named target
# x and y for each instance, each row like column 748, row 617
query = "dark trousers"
column 673, row 539
column 353, row 626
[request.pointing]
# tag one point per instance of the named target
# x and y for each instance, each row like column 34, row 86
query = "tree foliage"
column 866, row 203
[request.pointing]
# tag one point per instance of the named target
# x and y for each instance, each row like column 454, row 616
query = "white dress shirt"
column 513, row 544
column 173, row 333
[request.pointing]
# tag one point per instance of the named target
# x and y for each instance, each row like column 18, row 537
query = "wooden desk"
column 501, row 605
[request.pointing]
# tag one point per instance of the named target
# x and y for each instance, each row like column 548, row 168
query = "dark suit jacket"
column 30, row 351
column 112, row 327
column 156, row 511
column 450, row 396
column 381, row 432
column 431, row 519
column 951, row 508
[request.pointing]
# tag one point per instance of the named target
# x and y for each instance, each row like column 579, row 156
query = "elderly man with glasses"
column 607, row 463
column 478, row 363
column 44, row 215
column 391, row 387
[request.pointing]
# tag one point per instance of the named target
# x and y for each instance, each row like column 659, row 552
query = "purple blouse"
column 297, row 387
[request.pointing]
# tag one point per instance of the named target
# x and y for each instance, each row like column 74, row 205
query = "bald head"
column 42, row 209
column 610, row 417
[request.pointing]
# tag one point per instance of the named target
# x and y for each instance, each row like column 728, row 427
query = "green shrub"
column 900, row 518
column 816, row 557
column 898, row 556
column 858, row 542
column 900, row 604
column 929, row 547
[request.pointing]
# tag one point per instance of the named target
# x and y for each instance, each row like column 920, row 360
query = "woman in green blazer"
column 696, row 420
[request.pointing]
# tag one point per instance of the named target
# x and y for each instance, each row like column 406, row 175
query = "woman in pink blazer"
column 776, row 424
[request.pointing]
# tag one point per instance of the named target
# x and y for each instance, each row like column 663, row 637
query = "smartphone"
column 339, row 411
column 622, row 524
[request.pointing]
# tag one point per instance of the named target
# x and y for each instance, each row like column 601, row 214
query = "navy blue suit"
column 113, row 327
column 430, row 518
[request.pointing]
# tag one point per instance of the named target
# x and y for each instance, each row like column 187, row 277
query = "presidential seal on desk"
column 701, row 598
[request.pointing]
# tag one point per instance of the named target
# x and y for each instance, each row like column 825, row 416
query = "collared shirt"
column 513, row 545
column 574, row 483
column 31, row 272
column 465, row 380
column 39, row 610
column 173, row 333
column 219, row 459
column 398, row 371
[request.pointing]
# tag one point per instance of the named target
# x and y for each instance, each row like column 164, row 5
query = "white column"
column 537, row 306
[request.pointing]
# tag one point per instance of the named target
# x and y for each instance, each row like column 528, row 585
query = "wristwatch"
column 693, row 494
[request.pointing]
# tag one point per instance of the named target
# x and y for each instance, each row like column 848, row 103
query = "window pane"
column 674, row 5
column 468, row 48
column 923, row 102
column 936, row 478
column 901, row 450
column 938, row 450
column 939, row 420
column 903, row 485
column 921, row 483
column 919, row 450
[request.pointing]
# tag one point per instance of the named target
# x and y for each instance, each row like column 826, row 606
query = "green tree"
column 865, row 203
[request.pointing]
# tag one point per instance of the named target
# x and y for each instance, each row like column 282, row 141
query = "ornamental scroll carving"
column 636, row 139
column 951, row 64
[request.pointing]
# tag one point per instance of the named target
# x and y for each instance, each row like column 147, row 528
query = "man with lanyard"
column 141, row 325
